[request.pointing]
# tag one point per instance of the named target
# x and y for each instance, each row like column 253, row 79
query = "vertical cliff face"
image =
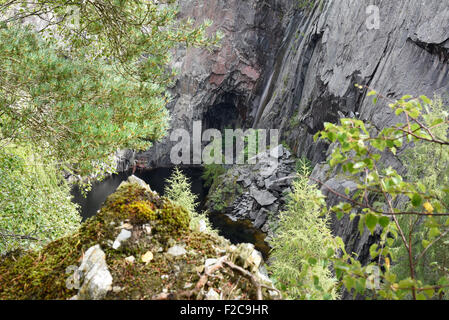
column 222, row 87
column 328, row 51
column 332, row 49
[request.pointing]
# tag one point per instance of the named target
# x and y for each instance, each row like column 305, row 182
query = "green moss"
column 224, row 192
column 141, row 206
column 42, row 274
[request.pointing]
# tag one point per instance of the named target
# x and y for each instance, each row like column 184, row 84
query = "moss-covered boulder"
column 142, row 266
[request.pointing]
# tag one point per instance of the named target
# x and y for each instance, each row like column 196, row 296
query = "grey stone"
column 268, row 168
column 97, row 280
column 277, row 152
column 176, row 251
column 253, row 215
column 261, row 183
column 261, row 218
column 269, row 182
column 246, row 183
column 265, row 229
column 263, row 197
column 134, row 180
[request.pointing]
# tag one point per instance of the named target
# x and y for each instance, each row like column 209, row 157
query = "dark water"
column 235, row 231
column 155, row 178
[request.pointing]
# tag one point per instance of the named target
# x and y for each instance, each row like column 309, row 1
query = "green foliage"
column 211, row 173
column 74, row 107
column 303, row 166
column 303, row 244
column 404, row 204
column 140, row 206
column 92, row 81
column 427, row 163
column 122, row 32
column 106, row 92
column 35, row 200
column 178, row 190
column 306, row 4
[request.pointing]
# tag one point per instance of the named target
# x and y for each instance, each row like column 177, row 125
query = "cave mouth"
column 221, row 116
column 226, row 113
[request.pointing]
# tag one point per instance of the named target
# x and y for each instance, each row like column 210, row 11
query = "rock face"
column 324, row 53
column 261, row 188
column 222, row 88
column 329, row 53
column 97, row 279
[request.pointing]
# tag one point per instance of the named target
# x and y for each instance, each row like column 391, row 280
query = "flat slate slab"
column 263, row 197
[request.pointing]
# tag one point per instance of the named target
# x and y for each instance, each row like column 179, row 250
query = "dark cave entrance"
column 225, row 113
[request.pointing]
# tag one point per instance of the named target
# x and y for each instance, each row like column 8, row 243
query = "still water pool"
column 235, row 231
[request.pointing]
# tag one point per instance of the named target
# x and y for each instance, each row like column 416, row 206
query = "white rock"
column 212, row 295
column 255, row 259
column 97, row 279
column 116, row 289
column 277, row 152
column 130, row 259
column 176, row 251
column 210, row 262
column 202, row 226
column 124, row 235
column 147, row 229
